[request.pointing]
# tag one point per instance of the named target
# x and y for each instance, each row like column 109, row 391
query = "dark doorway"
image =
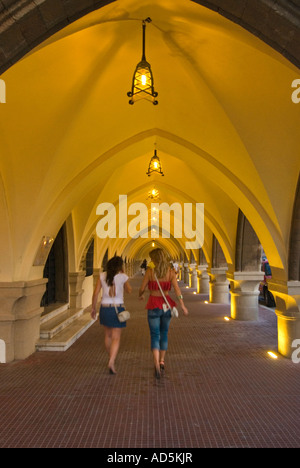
column 56, row 270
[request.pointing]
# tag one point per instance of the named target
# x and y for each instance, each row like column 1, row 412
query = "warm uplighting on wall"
column 142, row 83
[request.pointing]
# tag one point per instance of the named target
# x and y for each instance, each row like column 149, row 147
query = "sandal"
column 162, row 365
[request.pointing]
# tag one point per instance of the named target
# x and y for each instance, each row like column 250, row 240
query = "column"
column 186, row 277
column 180, row 273
column 193, row 276
column 75, row 283
column 244, row 291
column 218, row 285
column 20, row 314
column 287, row 299
column 202, row 280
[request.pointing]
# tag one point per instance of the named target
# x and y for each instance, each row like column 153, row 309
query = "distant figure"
column 176, row 268
column 113, row 282
column 144, row 267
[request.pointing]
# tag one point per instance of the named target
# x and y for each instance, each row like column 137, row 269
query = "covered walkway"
column 220, row 389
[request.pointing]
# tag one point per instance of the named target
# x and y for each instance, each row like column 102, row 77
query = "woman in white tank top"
column 113, row 282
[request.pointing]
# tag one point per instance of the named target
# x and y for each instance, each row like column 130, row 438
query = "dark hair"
column 113, row 267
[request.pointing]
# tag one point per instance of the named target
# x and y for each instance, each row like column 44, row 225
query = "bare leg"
column 114, row 348
column 156, row 357
column 162, row 358
column 107, row 338
column 155, row 353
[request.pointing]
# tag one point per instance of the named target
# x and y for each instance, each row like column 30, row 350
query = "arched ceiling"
column 225, row 128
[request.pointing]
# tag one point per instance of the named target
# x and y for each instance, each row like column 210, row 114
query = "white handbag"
column 166, row 306
column 122, row 316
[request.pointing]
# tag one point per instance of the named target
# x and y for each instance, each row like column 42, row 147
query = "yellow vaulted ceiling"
column 225, row 128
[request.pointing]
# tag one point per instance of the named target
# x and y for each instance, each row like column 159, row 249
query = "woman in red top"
column 159, row 320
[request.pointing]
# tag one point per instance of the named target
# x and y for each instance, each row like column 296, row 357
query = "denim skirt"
column 108, row 317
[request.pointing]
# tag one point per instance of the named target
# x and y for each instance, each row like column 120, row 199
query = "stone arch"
column 275, row 23
column 294, row 249
column 27, row 23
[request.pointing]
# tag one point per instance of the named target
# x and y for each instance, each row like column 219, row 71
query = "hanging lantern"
column 154, row 165
column 153, row 194
column 142, row 82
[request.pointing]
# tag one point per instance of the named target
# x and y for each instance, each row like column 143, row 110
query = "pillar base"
column 20, row 314
column 186, row 276
column 244, row 291
column 218, row 286
column 287, row 299
column 75, row 283
column 192, row 276
column 202, row 280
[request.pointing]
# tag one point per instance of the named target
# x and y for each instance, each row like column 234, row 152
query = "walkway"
column 221, row 389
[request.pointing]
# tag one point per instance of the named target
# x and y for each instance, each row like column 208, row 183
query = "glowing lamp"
column 142, row 82
column 154, row 165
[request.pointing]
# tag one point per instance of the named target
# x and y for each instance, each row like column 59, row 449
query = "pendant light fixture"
column 142, row 82
column 153, row 194
column 154, row 165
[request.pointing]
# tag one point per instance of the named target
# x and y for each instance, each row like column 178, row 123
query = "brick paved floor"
column 220, row 388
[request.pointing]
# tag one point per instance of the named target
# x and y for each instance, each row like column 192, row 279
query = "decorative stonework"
column 20, row 314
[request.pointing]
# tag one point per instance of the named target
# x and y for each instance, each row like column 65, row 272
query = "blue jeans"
column 159, row 322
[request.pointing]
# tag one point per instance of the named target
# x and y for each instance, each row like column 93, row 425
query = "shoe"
column 162, row 365
column 111, row 371
column 157, row 373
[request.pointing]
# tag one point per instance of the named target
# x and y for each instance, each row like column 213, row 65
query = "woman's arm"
column 178, row 292
column 128, row 287
column 95, row 299
column 144, row 283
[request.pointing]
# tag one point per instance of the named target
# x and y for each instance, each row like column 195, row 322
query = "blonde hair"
column 161, row 262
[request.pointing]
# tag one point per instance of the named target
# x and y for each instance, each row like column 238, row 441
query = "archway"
column 217, row 129
column 56, row 271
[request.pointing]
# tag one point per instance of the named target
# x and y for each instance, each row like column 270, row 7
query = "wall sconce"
column 142, row 83
column 154, row 165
